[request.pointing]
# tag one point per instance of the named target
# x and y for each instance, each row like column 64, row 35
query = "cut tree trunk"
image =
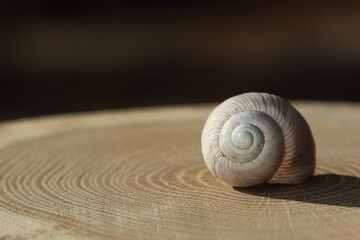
column 139, row 174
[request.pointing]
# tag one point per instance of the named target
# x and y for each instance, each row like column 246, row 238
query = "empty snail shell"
column 258, row 137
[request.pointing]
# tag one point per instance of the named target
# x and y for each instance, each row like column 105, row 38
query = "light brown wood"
column 139, row 174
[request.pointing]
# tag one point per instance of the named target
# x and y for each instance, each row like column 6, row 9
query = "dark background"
column 67, row 56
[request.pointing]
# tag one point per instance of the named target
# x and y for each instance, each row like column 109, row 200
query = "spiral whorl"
column 258, row 137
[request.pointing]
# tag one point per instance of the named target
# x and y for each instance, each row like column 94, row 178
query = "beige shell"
column 258, row 137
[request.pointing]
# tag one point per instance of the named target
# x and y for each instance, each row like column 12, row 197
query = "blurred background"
column 59, row 56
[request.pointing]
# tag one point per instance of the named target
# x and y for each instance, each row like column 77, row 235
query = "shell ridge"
column 241, row 159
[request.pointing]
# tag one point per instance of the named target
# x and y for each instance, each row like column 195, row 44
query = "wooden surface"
column 139, row 174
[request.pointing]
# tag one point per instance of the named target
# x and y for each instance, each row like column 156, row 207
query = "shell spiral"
column 258, row 137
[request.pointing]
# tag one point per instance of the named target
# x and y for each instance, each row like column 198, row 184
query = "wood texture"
column 139, row 174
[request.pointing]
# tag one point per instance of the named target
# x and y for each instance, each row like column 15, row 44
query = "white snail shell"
column 258, row 137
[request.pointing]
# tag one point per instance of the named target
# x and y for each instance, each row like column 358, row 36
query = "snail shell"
column 258, row 137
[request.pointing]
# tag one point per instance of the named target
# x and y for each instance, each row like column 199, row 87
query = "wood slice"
column 139, row 174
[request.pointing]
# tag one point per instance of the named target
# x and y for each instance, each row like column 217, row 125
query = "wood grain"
column 139, row 174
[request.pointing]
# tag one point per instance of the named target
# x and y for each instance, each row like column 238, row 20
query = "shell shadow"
column 329, row 189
